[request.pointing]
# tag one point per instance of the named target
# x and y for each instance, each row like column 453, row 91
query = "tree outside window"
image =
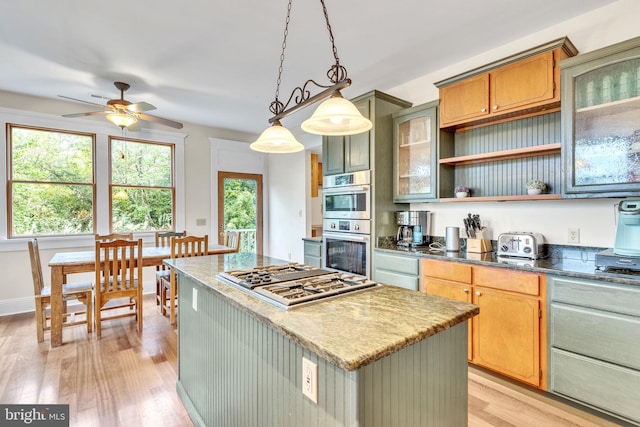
column 51, row 182
column 142, row 189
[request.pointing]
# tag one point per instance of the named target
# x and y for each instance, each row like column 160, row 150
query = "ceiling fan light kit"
column 335, row 116
column 123, row 113
column 122, row 120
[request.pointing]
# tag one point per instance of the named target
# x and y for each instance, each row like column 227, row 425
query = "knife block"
column 479, row 246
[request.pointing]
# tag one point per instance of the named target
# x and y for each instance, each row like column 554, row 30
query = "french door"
column 240, row 208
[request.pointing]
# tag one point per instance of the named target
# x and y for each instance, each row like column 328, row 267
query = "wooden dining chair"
column 114, row 236
column 163, row 239
column 181, row 247
column 118, row 276
column 232, row 240
column 70, row 291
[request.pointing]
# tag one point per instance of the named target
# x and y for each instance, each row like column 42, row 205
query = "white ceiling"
column 215, row 62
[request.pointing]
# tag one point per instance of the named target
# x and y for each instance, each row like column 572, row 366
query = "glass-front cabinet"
column 416, row 153
column 601, row 121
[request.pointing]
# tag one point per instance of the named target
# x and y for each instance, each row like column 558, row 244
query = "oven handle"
column 346, row 190
column 348, row 236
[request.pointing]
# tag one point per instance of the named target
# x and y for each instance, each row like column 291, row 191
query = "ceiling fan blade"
column 80, row 100
column 160, row 120
column 90, row 113
column 139, row 107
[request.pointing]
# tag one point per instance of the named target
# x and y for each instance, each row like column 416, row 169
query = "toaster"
column 521, row 244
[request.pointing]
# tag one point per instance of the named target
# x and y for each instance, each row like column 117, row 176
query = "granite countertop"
column 570, row 261
column 317, row 239
column 350, row 331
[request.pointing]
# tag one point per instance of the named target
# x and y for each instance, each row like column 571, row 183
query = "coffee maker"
column 413, row 228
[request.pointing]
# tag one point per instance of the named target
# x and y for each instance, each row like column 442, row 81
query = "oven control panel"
column 359, row 226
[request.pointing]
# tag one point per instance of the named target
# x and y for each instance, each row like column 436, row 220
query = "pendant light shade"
column 277, row 139
column 336, row 116
column 122, row 120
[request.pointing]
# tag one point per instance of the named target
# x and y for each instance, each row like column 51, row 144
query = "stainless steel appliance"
column 294, row 285
column 346, row 245
column 413, row 227
column 625, row 254
column 347, row 195
column 521, row 244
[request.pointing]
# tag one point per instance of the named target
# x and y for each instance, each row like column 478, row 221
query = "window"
column 142, row 186
column 51, row 182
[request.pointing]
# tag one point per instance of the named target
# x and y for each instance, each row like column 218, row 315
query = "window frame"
column 11, row 181
column 102, row 130
column 172, row 187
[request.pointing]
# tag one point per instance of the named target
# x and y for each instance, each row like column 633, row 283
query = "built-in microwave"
column 347, row 196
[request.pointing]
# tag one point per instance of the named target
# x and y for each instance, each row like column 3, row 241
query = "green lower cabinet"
column 313, row 253
column 396, row 269
column 594, row 336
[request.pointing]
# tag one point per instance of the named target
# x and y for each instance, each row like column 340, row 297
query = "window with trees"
column 142, row 187
column 51, row 182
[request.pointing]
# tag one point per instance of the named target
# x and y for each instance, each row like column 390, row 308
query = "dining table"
column 65, row 263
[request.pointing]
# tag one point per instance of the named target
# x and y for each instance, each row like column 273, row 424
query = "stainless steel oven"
column 347, row 196
column 346, row 246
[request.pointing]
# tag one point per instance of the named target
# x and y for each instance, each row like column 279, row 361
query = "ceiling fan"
column 123, row 113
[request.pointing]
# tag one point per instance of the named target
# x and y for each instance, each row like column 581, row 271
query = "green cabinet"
column 343, row 154
column 397, row 270
column 594, row 356
column 313, row 252
column 417, row 175
column 601, row 122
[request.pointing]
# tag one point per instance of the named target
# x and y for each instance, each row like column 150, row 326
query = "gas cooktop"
column 293, row 284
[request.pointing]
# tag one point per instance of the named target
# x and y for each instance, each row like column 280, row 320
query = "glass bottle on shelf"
column 601, row 112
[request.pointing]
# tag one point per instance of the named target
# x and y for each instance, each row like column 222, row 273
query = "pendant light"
column 335, row 116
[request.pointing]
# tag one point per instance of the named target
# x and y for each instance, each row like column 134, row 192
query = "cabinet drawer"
column 313, row 249
column 599, row 384
column 603, row 296
column 313, row 261
column 606, row 336
column 397, row 263
column 397, row 279
column 454, row 271
column 508, row 280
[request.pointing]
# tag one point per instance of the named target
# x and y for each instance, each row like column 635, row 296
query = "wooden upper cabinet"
column 465, row 100
column 524, row 84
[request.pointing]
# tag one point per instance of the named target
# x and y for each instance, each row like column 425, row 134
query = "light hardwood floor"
column 126, row 379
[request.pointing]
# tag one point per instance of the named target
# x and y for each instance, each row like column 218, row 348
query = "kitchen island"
column 385, row 356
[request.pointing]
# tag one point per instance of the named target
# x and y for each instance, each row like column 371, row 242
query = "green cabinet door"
column 357, row 147
column 332, row 155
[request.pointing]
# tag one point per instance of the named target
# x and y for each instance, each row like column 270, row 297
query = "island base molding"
column 235, row 370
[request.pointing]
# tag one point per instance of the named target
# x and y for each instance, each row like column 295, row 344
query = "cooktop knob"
column 527, row 250
column 504, row 248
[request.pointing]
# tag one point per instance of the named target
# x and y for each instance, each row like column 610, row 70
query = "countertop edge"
column 270, row 315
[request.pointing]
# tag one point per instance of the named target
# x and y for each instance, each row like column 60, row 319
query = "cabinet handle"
column 483, row 110
column 466, row 291
column 478, row 293
column 495, row 107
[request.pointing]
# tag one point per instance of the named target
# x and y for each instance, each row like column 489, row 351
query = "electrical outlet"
column 573, row 235
column 194, row 299
column 310, row 379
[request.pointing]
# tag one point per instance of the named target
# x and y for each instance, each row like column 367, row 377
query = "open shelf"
column 517, row 153
column 502, row 198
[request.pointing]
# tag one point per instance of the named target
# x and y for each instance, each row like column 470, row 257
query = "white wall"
column 595, row 218
column 288, row 195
